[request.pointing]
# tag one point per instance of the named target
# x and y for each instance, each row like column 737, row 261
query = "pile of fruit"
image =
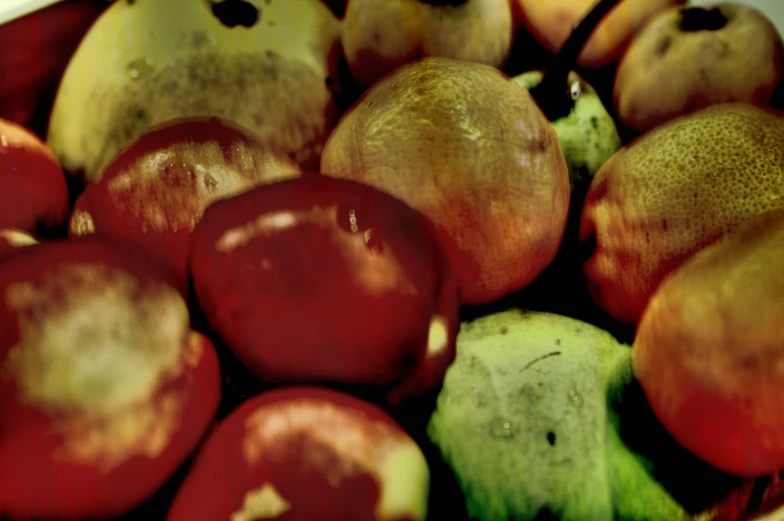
column 396, row 260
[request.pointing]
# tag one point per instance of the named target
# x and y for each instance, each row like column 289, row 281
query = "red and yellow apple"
column 304, row 454
column 156, row 190
column 317, row 279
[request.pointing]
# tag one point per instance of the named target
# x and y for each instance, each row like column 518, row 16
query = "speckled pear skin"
column 588, row 135
column 529, row 421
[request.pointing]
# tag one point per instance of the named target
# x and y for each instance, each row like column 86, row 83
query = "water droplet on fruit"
column 138, row 69
column 575, row 399
column 574, row 90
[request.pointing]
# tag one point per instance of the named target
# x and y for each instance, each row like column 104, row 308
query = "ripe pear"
column 687, row 58
column 463, row 144
column 380, row 35
column 551, row 22
column 714, row 326
column 673, row 191
column 265, row 66
column 587, row 135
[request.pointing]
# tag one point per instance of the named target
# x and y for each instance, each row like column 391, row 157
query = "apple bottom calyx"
column 696, row 19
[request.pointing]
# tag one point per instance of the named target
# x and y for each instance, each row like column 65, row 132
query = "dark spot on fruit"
column 130, row 2
column 232, row 13
column 647, row 237
column 664, row 225
column 595, row 122
column 271, row 23
column 504, row 330
column 551, row 438
column 545, row 514
column 695, row 196
column 370, row 104
column 141, row 114
column 663, row 46
column 557, row 341
column 695, row 19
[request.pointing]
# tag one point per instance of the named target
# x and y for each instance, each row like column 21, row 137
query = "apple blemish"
column 102, row 379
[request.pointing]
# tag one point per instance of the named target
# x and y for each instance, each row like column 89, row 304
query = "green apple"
column 587, row 134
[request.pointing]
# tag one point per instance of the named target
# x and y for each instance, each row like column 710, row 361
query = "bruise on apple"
column 156, row 190
column 303, row 453
column 318, row 279
column 33, row 191
column 105, row 388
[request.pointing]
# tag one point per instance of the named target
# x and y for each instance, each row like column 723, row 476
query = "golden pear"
column 466, row 146
column 673, row 191
column 688, row 58
column 709, row 350
column 380, row 35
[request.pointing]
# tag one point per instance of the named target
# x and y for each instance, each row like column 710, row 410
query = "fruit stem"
column 553, row 94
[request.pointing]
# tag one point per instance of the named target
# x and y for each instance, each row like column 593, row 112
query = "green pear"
column 587, row 135
column 529, row 420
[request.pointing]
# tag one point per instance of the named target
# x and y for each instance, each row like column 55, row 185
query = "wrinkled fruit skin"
column 323, row 279
column 95, row 419
column 306, row 453
column 673, row 191
column 587, row 135
column 709, row 350
column 156, row 190
column 467, row 147
column 667, row 72
column 33, row 192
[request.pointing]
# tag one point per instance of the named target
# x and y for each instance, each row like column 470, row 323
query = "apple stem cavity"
column 695, row 19
column 553, row 94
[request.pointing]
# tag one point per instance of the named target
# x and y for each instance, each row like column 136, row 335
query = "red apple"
column 12, row 240
column 155, row 191
column 305, row 454
column 318, row 279
column 104, row 388
column 33, row 192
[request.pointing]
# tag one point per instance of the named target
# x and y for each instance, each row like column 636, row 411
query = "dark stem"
column 552, row 94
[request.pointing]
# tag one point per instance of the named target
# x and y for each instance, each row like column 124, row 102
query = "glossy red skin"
column 33, row 191
column 35, row 485
column 9, row 247
column 305, row 319
column 112, row 216
column 220, row 477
